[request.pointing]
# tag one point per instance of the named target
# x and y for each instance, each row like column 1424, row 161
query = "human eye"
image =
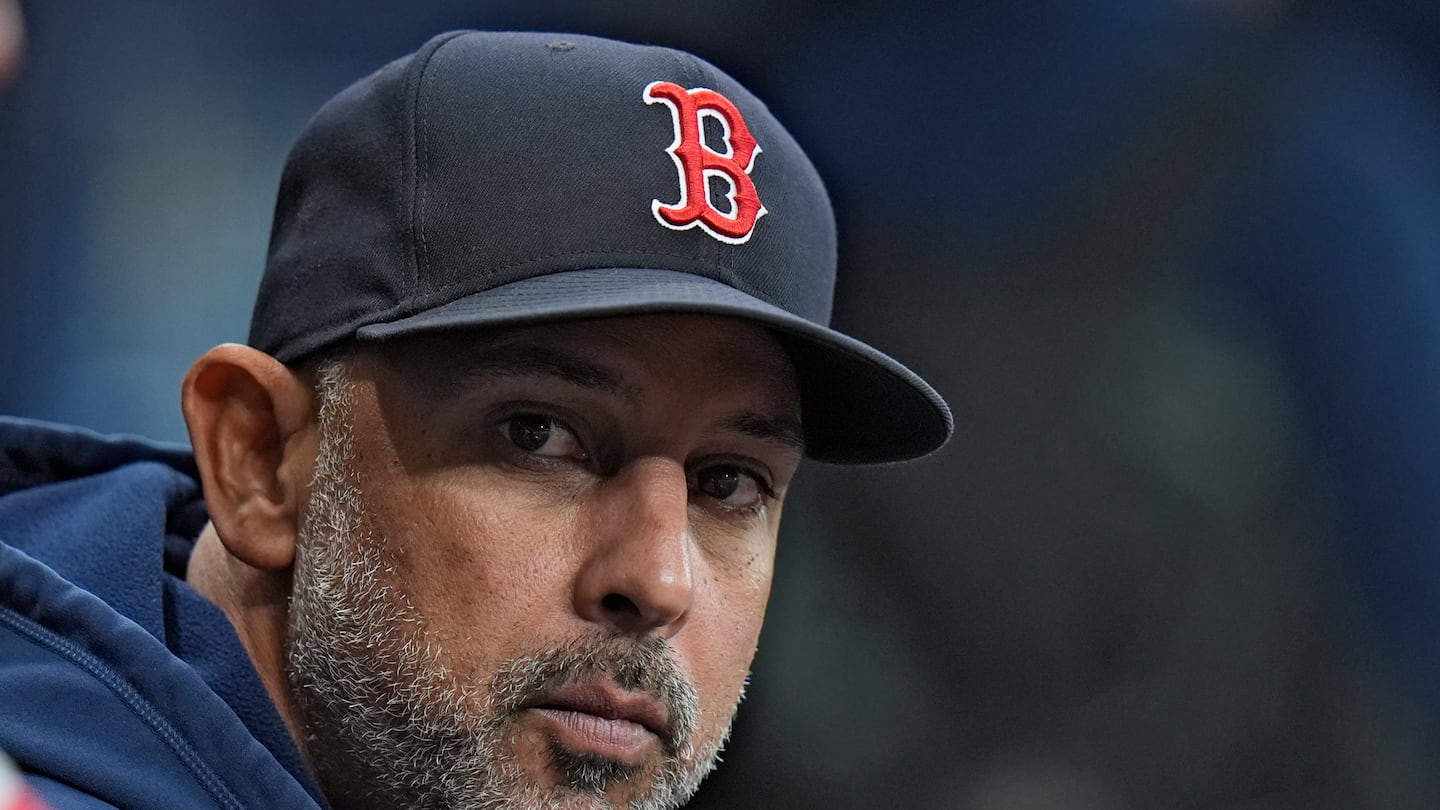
column 733, row 485
column 539, row 434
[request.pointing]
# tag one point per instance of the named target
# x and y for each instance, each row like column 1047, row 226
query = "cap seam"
column 420, row 162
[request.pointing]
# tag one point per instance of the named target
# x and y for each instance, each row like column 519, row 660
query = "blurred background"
column 1176, row 265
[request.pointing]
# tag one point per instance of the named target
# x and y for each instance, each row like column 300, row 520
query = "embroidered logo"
column 700, row 165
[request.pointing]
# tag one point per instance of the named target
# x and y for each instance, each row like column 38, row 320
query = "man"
column 490, row 499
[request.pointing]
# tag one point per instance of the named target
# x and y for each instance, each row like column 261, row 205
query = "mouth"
column 597, row 719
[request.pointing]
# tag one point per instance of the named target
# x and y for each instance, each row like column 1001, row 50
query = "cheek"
column 482, row 564
column 720, row 639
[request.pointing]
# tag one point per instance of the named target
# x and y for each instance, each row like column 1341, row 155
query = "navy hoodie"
column 121, row 686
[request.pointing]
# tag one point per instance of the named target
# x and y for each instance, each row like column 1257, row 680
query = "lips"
column 599, row 719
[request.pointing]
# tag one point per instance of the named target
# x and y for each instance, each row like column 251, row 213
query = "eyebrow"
column 785, row 431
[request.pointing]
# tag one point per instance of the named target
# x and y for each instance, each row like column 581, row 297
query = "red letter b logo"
column 699, row 164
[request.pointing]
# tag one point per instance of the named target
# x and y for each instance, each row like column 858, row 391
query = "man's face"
column 534, row 564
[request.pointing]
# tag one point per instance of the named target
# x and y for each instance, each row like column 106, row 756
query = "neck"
column 257, row 604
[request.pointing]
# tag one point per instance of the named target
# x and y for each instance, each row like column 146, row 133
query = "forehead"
column 629, row 356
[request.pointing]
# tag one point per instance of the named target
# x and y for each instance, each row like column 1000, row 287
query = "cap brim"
column 858, row 406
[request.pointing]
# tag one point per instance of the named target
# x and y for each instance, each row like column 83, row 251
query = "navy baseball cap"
column 499, row 179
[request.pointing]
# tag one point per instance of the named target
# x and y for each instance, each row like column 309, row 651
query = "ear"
column 252, row 429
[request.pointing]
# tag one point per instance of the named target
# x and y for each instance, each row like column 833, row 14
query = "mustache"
column 642, row 665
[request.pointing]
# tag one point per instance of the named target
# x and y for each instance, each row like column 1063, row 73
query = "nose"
column 637, row 575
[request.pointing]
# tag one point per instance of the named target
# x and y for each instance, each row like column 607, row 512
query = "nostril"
column 617, row 604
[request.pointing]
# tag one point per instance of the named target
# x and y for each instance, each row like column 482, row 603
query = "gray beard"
column 387, row 725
